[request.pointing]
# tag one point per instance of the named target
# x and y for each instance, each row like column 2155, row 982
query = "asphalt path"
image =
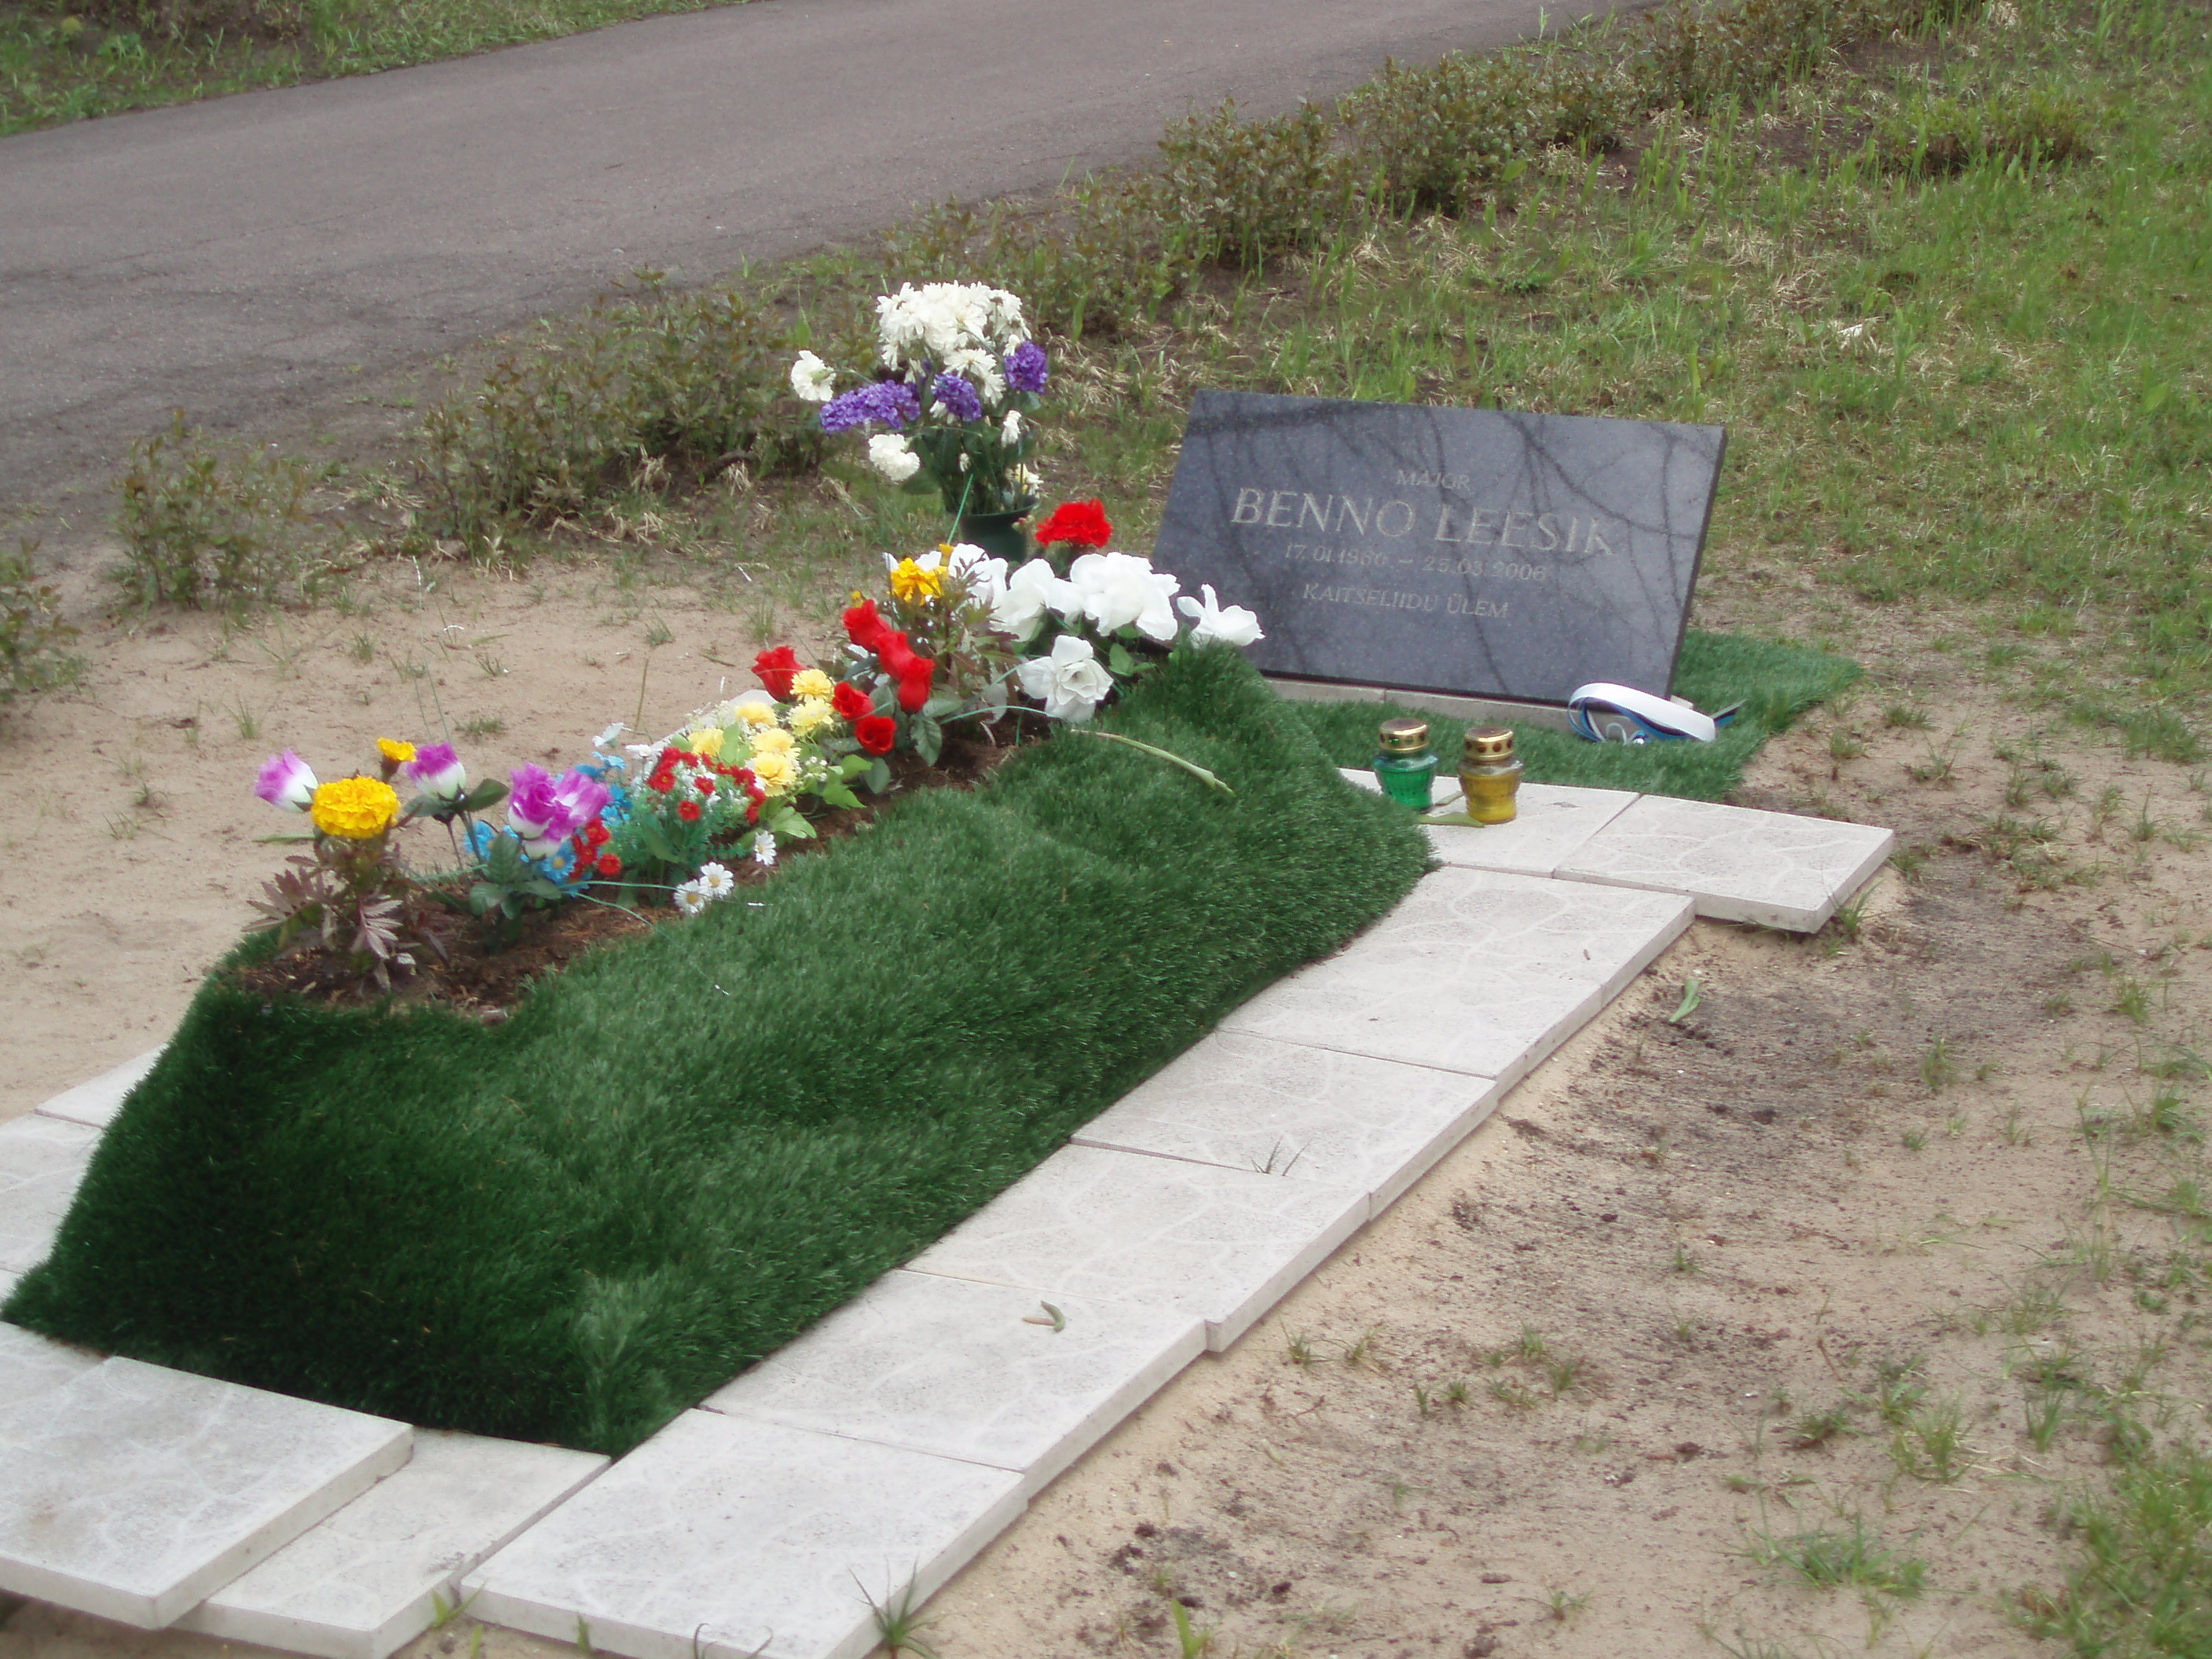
column 246, row 257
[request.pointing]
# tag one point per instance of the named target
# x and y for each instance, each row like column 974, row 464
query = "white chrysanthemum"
column 893, row 457
column 812, row 379
column 982, row 369
column 715, row 881
column 691, row 898
column 1010, row 430
column 764, row 849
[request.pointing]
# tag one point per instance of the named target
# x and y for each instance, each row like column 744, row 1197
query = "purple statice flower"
column 880, row 403
column 957, row 397
column 1025, row 367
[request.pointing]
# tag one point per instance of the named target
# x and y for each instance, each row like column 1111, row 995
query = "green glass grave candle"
column 1407, row 766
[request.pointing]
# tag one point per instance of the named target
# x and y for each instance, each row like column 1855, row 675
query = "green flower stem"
column 1191, row 767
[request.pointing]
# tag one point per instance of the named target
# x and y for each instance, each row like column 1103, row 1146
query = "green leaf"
column 944, row 703
column 879, row 777
column 834, row 793
column 488, row 793
column 1118, row 660
column 1694, row 992
column 539, row 887
column 503, row 862
column 920, row 484
column 656, row 838
column 789, row 821
column 483, row 897
column 856, row 764
column 928, row 739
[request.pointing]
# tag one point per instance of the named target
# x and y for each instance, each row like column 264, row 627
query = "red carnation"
column 705, row 786
column 865, row 629
column 850, row 700
column 688, row 811
column 608, row 865
column 661, row 782
column 776, row 669
column 598, row 834
column 876, row 733
column 1079, row 524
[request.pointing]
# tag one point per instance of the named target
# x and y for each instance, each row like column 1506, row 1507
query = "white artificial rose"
column 1070, row 682
column 893, row 457
column 1210, row 621
column 1121, row 590
column 1030, row 593
column 812, row 379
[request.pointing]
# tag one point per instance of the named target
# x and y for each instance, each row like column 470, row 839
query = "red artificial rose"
column 912, row 672
column 608, row 865
column 876, row 733
column 688, row 811
column 850, row 700
column 1080, row 524
column 776, row 669
column 865, row 629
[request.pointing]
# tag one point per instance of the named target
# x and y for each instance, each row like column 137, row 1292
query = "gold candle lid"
column 1489, row 743
column 1404, row 737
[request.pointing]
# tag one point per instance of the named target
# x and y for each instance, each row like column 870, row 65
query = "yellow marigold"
column 811, row 683
column 756, row 710
column 774, row 740
column 707, row 740
column 909, row 582
column 811, row 716
column 355, row 809
column 776, row 772
column 395, row 752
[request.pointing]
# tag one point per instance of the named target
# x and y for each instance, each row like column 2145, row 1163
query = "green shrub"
column 1235, row 192
column 1696, row 56
column 1592, row 101
column 1430, row 140
column 681, row 1151
column 34, row 639
column 208, row 530
column 697, row 377
column 1933, row 133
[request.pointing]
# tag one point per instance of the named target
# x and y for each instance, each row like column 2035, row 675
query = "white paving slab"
column 97, row 1102
column 1551, row 823
column 369, row 1580
column 743, row 1538
column 971, row 1370
column 1282, row 1109
column 1476, row 971
column 1221, row 1244
column 41, row 1161
column 1771, row 868
column 133, row 1491
column 32, row 1364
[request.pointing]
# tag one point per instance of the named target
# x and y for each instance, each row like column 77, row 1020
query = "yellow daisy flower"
column 811, row 716
column 707, row 741
column 910, row 582
column 811, row 682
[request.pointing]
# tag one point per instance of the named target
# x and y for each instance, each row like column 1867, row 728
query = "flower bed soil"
column 482, row 978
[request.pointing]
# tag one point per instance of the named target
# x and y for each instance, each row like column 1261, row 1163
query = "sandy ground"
column 1674, row 1244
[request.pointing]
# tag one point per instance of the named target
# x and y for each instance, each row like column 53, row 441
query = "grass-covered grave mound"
column 682, row 1150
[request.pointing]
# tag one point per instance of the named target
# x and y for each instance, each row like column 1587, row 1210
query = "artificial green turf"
column 1774, row 684
column 682, row 1150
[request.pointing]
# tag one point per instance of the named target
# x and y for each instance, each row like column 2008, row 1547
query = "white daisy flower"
column 764, row 849
column 716, row 881
column 690, row 898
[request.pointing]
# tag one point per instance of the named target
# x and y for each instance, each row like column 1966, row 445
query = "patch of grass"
column 675, row 1155
column 1777, row 683
column 2139, row 1587
column 91, row 58
column 1853, row 1557
column 34, row 640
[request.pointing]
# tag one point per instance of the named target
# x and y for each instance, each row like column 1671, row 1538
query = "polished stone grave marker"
column 1471, row 552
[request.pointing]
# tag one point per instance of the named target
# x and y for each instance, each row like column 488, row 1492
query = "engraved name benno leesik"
column 1393, row 541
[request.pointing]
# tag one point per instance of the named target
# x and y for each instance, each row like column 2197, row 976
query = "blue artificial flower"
column 1026, row 367
column 880, row 403
column 959, row 398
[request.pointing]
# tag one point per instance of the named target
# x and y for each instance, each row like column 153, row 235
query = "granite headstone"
column 1471, row 552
